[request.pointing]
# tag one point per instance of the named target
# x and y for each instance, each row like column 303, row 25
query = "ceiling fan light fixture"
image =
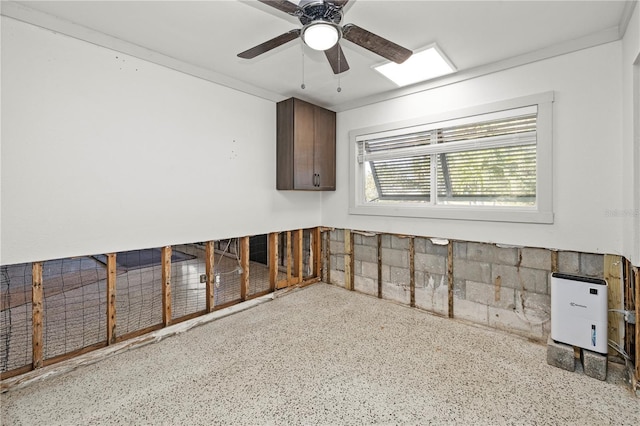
column 321, row 35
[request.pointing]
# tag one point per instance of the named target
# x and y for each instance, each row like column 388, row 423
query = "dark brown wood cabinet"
column 306, row 146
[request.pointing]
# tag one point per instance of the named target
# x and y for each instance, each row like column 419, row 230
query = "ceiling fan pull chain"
column 302, row 86
column 339, row 89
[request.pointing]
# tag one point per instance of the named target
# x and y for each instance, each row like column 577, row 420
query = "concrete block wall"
column 336, row 258
column 503, row 287
column 365, row 265
column 431, row 282
column 395, row 269
column 507, row 288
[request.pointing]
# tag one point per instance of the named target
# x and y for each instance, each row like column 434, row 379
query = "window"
column 488, row 163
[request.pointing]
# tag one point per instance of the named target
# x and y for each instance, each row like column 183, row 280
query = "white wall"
column 104, row 152
column 630, row 220
column 587, row 151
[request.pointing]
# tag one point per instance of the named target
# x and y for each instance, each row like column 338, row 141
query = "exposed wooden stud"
column 37, row 311
column 450, row 277
column 328, row 257
column 289, row 257
column 298, row 258
column 210, row 272
column 317, row 252
column 312, row 259
column 111, row 298
column 288, row 262
column 165, row 258
column 244, row 264
column 412, row 273
column 348, row 260
column 636, row 275
column 323, row 255
column 352, row 261
column 273, row 260
column 612, row 269
column 627, row 284
column 379, row 266
column 554, row 260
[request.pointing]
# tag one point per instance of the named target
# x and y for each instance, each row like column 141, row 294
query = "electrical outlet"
column 217, row 278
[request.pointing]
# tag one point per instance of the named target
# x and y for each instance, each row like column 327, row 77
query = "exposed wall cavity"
column 507, row 288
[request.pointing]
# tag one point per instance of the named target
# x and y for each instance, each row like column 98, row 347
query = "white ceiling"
column 204, row 37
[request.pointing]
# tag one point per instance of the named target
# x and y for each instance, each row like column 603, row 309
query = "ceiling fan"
column 321, row 30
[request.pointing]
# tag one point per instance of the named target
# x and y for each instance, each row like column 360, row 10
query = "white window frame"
column 541, row 212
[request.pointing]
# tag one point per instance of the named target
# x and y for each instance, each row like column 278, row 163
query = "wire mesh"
column 75, row 293
column 282, row 256
column 188, row 291
column 138, row 290
column 259, row 264
column 74, row 305
column 15, row 316
column 227, row 272
column 287, row 257
column 282, row 251
column 307, row 258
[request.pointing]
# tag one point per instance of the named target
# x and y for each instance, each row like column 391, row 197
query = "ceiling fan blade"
column 336, row 59
column 282, row 5
column 270, row 44
column 376, row 44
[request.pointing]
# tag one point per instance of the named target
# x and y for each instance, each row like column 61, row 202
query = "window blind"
column 487, row 160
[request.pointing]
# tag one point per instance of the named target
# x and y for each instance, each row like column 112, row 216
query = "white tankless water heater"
column 579, row 311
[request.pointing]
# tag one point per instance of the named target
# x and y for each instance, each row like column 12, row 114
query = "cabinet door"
column 303, row 175
column 324, row 165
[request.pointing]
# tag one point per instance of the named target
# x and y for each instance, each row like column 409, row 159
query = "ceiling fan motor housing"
column 314, row 11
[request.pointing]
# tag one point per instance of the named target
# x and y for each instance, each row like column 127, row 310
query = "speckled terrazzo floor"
column 324, row 355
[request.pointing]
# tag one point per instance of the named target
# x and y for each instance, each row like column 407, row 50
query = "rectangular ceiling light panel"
column 423, row 65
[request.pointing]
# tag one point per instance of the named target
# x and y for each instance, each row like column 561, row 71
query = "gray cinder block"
column 594, row 364
column 568, row 262
column 536, row 258
column 560, row 355
column 591, row 265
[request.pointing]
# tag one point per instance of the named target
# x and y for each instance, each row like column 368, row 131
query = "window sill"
column 517, row 215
